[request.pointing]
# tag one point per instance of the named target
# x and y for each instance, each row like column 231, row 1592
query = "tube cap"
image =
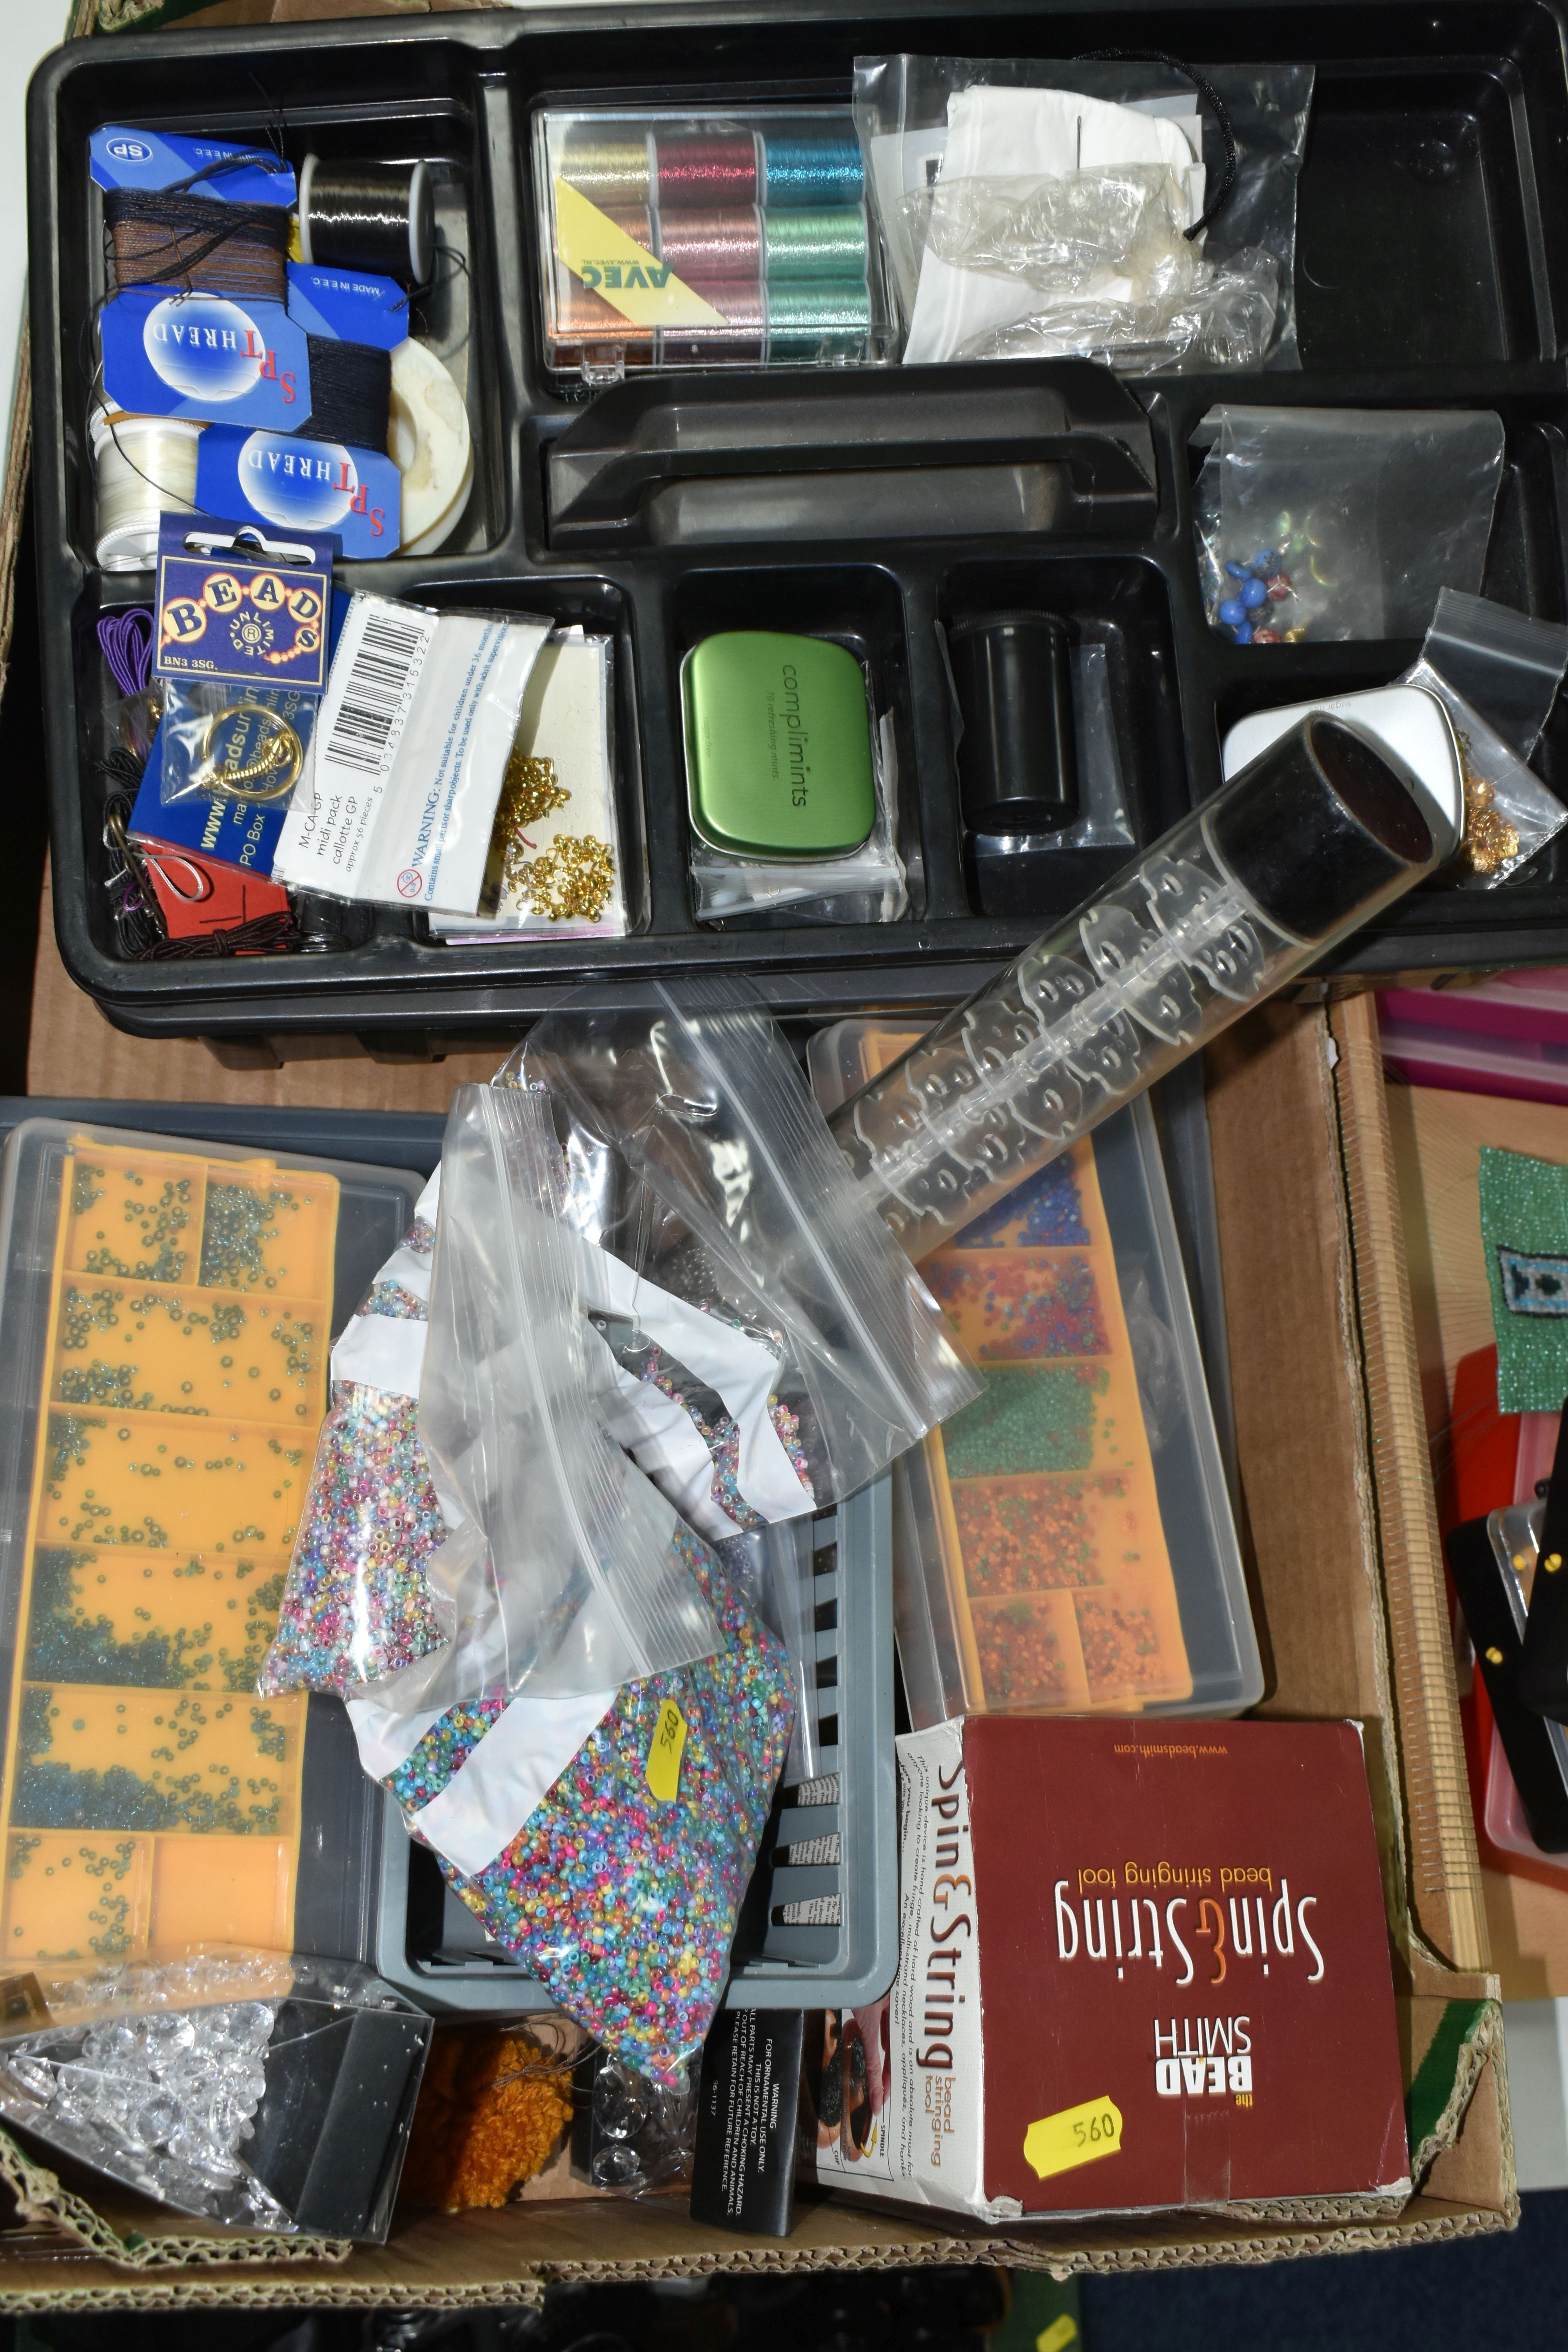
column 1320, row 827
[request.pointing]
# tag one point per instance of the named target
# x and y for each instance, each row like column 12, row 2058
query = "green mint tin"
column 778, row 745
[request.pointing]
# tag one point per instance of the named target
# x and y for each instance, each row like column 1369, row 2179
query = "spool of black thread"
column 379, row 216
column 1017, row 758
column 351, row 393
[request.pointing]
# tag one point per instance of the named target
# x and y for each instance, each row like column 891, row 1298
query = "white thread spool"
column 431, row 447
column 146, row 468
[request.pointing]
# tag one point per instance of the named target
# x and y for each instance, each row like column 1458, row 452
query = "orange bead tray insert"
column 150, row 1798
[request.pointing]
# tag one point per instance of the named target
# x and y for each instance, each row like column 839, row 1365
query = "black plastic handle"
column 641, row 434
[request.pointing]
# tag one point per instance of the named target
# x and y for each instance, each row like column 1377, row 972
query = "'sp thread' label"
column 1076, row 2136
column 664, row 1751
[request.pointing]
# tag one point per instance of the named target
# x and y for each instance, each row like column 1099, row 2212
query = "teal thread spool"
column 815, row 243
column 800, row 318
column 814, row 170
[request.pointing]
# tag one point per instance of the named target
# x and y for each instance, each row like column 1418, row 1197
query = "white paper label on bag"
column 411, row 746
column 382, row 1351
column 504, row 1780
column 740, row 1370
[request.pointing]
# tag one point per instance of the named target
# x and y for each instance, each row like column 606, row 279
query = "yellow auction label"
column 664, row 1751
column 597, row 250
column 1076, row 2135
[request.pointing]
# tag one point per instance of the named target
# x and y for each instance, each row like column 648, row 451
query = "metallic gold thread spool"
column 609, row 168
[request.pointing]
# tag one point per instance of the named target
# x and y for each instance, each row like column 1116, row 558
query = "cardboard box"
column 1142, row 1964
column 1347, row 1577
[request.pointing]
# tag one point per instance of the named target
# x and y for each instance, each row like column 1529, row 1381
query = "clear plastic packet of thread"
column 1101, row 267
column 357, row 1605
column 234, row 742
column 621, row 1890
column 923, row 118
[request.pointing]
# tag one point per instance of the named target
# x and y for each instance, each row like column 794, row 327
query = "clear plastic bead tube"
column 1298, row 849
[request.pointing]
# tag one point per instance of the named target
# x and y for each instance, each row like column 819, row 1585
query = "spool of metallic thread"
column 815, row 242
column 580, row 312
column 815, row 168
column 609, row 167
column 712, row 245
column 743, row 335
column 146, row 468
column 705, row 168
column 802, row 317
column 581, row 315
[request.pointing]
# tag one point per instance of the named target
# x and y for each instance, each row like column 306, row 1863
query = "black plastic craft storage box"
column 1431, row 271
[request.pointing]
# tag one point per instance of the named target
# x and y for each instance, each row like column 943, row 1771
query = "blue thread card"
column 121, row 157
column 240, row 615
column 284, row 483
column 352, row 305
column 207, row 355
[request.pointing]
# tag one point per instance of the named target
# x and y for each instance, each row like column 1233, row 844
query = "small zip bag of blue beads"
column 1329, row 523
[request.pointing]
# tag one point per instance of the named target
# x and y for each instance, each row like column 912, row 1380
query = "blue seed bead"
column 1237, row 571
column 1253, row 593
column 1265, row 559
column 1232, row 611
column 1244, row 634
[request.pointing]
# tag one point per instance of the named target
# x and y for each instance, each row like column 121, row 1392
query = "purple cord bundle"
column 126, row 641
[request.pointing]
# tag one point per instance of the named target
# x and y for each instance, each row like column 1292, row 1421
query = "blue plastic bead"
column 1237, row 571
column 1244, row 634
column 1265, row 559
column 1253, row 593
column 1232, row 612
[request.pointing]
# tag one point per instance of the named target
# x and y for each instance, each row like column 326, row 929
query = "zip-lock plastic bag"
column 1093, row 265
column 1010, row 193
column 697, row 1156
column 1341, row 522
column 615, row 1872
column 562, row 1574
column 399, row 802
column 1496, row 672
column 869, row 885
column 233, row 742
column 357, row 1604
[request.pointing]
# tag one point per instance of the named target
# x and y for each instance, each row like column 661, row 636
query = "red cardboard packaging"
column 1143, row 1965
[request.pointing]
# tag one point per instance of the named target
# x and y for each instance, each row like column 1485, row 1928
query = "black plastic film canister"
column 1017, row 759
column 1320, row 826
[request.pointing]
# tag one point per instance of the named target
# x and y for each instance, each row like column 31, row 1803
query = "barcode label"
column 385, row 663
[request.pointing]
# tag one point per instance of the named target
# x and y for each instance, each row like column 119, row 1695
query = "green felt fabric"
column 1524, row 1208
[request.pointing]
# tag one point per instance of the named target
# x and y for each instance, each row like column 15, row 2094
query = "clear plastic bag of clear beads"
column 267, row 2093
